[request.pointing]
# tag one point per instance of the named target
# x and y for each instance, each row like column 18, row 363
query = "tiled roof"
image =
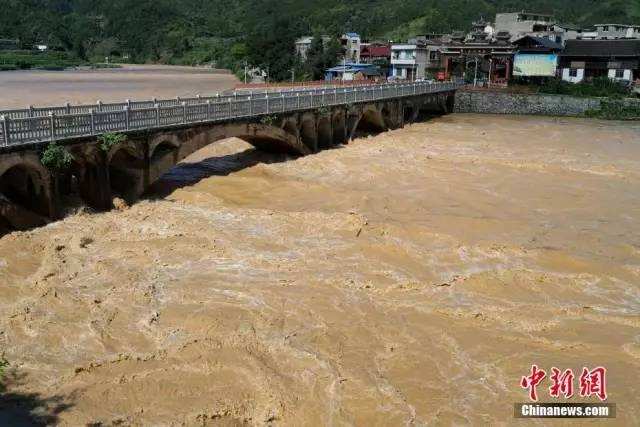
column 607, row 48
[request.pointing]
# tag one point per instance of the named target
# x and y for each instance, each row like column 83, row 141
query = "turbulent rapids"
column 413, row 277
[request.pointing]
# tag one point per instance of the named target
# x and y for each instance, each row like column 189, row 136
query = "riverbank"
column 40, row 88
column 412, row 277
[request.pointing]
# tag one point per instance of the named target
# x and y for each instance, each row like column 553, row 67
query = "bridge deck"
column 34, row 125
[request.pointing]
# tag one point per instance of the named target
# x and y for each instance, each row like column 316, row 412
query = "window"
column 573, row 72
column 619, row 74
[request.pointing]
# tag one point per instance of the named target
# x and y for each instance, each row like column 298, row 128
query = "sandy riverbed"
column 408, row 278
column 19, row 89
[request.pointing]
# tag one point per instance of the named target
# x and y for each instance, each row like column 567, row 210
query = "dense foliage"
column 228, row 33
column 599, row 87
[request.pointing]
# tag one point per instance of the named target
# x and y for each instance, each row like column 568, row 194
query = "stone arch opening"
column 325, row 137
column 339, row 129
column 308, row 134
column 70, row 186
column 125, row 175
column 409, row 113
column 162, row 149
column 24, row 201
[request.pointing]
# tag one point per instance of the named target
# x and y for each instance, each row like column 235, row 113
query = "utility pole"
column 293, row 75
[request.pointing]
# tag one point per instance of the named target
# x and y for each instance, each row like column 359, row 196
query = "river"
column 19, row 89
column 407, row 278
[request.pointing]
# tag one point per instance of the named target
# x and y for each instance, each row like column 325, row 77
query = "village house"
column 378, row 54
column 352, row 71
column 520, row 24
column 351, row 45
column 490, row 53
column 617, row 31
column 303, row 44
column 409, row 61
column 587, row 59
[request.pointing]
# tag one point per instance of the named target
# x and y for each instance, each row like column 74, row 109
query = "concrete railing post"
column 184, row 112
column 208, row 109
column 93, row 121
column 298, row 99
column 266, row 97
column 323, row 103
column 157, row 115
column 250, row 105
column 52, row 126
column 99, row 103
column 126, row 117
column 5, row 129
column 282, row 95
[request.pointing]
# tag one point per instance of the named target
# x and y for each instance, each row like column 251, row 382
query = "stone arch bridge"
column 300, row 124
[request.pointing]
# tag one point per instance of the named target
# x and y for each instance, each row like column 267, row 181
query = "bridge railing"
column 18, row 127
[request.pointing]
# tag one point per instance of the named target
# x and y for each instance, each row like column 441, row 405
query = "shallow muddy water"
column 409, row 278
column 19, row 89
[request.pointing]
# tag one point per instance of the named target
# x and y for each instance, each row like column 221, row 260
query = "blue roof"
column 353, row 35
column 352, row 67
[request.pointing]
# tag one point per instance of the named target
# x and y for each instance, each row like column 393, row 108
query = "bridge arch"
column 25, row 194
column 169, row 148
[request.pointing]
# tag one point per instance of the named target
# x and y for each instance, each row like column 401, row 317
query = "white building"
column 617, row 31
column 520, row 24
column 351, row 44
column 409, row 61
column 303, row 44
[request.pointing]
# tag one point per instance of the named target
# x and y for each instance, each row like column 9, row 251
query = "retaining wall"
column 511, row 103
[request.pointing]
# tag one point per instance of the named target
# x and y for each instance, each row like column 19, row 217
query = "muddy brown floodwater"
column 19, row 89
column 409, row 278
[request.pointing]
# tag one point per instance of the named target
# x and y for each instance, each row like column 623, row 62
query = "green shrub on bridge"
column 268, row 120
column 56, row 157
column 109, row 140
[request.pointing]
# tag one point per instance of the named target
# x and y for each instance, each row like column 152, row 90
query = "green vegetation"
column 227, row 34
column 109, row 140
column 268, row 120
column 55, row 157
column 613, row 109
column 25, row 60
column 599, row 87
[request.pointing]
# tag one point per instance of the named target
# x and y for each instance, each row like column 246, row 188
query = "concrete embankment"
column 540, row 104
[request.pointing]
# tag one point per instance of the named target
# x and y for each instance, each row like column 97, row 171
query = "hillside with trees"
column 260, row 32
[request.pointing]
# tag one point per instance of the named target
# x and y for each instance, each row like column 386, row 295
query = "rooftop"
column 540, row 42
column 617, row 25
column 603, row 48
